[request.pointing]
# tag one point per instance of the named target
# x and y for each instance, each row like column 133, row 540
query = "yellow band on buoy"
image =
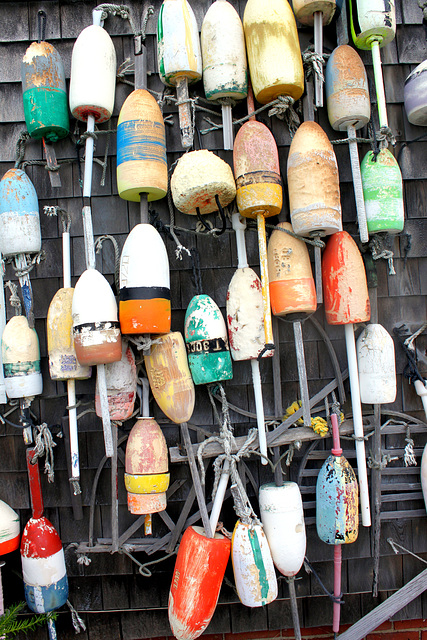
column 153, row 483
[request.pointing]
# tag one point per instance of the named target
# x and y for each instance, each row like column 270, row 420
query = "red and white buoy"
column 120, row 377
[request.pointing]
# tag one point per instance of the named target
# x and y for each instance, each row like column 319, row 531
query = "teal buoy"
column 205, row 336
column 383, row 192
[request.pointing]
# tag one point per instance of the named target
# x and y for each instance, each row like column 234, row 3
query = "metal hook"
column 41, row 24
column 222, row 214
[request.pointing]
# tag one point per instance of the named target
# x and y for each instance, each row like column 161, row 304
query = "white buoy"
column 21, row 359
column 377, row 365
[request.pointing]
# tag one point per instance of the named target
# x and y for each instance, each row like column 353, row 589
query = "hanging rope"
column 14, row 299
column 120, row 10
column 197, row 273
column 411, row 369
column 379, row 249
column 54, row 210
column 423, row 6
column 283, row 109
column 23, row 138
column 179, row 247
column 409, row 455
column 143, row 343
column 409, row 342
column 78, row 623
column 98, row 246
column 44, row 447
column 396, row 546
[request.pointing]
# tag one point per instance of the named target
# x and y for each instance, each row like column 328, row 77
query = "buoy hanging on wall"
column 9, row 529
column 145, row 304
column 121, row 386
column 19, row 215
column 415, row 95
column 44, row 92
column 21, row 359
column 377, row 365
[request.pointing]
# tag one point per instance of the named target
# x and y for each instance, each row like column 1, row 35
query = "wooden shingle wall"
column 114, row 599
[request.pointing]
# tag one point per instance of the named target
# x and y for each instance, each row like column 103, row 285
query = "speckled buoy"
column 120, row 377
column 377, row 365
column 245, row 315
column 19, row 214
column 21, row 359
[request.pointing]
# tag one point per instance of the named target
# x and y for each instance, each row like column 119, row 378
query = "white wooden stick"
column 379, row 83
column 227, row 126
column 318, row 48
column 259, row 409
column 219, row 496
column 357, row 184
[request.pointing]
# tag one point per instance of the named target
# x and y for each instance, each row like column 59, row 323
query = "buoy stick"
column 103, row 399
column 302, row 374
column 318, row 48
column 318, row 273
column 357, row 184
column 379, row 83
column 227, row 126
column 184, row 112
column 37, row 506
column 259, row 408
column 3, row 398
column 219, row 496
column 26, row 288
column 87, row 186
column 421, row 389
column 262, row 245
column 294, row 607
column 52, row 164
column 358, row 424
column 196, row 480
column 2, row 563
column 51, row 629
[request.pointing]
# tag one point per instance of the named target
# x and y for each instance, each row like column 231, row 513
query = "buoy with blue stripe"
column 121, row 386
column 196, row 582
column 44, row 92
column 179, row 57
column 376, row 363
column 145, row 299
column 383, row 192
column 415, row 95
column 206, row 339
column 21, row 359
column 9, row 529
column 253, row 567
column 141, row 149
column 19, row 214
column 169, row 376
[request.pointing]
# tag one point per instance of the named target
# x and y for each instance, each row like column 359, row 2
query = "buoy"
column 121, row 386
column 349, row 109
column 383, row 192
column 44, row 92
column 196, row 582
column 282, row 517
column 21, row 359
column 206, row 339
column 145, row 301
column 313, row 181
column 415, row 95
column 9, row 529
column 198, row 178
column 347, row 302
column 421, row 389
column 179, row 57
column 377, row 365
column 170, row 378
column 141, row 149
column 225, row 69
column 271, row 37
column 93, row 75
column 146, row 468
column 424, row 474
column 96, row 330
column 19, row 215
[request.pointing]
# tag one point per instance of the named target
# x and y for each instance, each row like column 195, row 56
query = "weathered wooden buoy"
column 383, row 192
column 271, row 37
column 21, row 359
column 19, row 214
column 291, row 282
column 372, row 20
column 170, row 378
column 377, row 365
column 206, row 339
column 9, row 529
column 415, row 95
column 146, row 468
column 96, row 329
column 179, row 57
column 244, row 312
column 282, row 517
column 198, row 177
column 120, row 377
column 253, row 567
column 145, row 304
column 313, row 181
column 141, row 149
column 44, row 92
column 196, row 582
column 93, row 75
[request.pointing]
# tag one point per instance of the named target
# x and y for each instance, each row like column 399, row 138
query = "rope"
column 315, row 241
column 396, row 546
column 78, row 623
column 380, row 465
column 179, row 247
column 309, row 569
column 142, row 568
column 409, row 456
column 313, row 63
column 54, row 210
column 143, row 343
column 411, row 369
column 75, row 485
column 120, row 10
column 23, row 138
column 82, row 558
column 98, row 246
column 423, row 5
column 379, row 250
column 409, row 342
column 284, row 110
column 44, row 446
column 14, row 299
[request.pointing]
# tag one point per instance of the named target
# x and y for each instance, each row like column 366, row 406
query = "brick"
column 400, row 625
column 253, row 635
column 411, row 635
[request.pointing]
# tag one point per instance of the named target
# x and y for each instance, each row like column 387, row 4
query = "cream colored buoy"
column 21, row 359
column 121, row 386
column 253, row 567
column 93, row 75
column 96, row 329
column 282, row 517
column 198, row 177
column 415, row 95
column 305, row 9
column 245, row 315
column 313, row 181
column 377, row 365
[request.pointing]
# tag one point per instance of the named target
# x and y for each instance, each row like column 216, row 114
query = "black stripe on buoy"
column 96, row 326
column 144, row 293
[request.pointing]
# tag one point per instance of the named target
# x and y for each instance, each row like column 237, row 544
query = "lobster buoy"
column 93, row 75
column 96, row 329
column 44, row 93
column 415, row 95
column 141, row 149
column 424, row 475
column 43, row 566
column 271, row 37
column 245, row 315
column 383, row 192
column 198, row 178
column 21, row 359
column 372, row 20
column 146, row 475
column 225, row 72
column 205, row 336
column 313, row 181
column 292, row 288
column 63, row 363
column 19, row 215
column 170, row 378
column 377, row 365
column 145, row 299
column 253, row 567
column 196, row 582
column 121, row 386
column 305, row 9
column 282, row 517
column 9, row 529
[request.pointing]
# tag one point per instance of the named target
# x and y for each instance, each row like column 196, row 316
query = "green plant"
column 10, row 625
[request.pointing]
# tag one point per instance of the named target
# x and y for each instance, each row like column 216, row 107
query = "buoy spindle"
column 318, row 48
column 379, row 83
column 357, row 184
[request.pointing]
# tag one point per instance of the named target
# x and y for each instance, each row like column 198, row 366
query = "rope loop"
column 409, row 455
column 98, row 247
column 44, row 447
column 385, row 136
column 23, row 138
column 284, row 110
column 380, row 249
column 313, row 63
column 423, row 5
column 78, row 623
column 54, row 210
column 14, row 299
